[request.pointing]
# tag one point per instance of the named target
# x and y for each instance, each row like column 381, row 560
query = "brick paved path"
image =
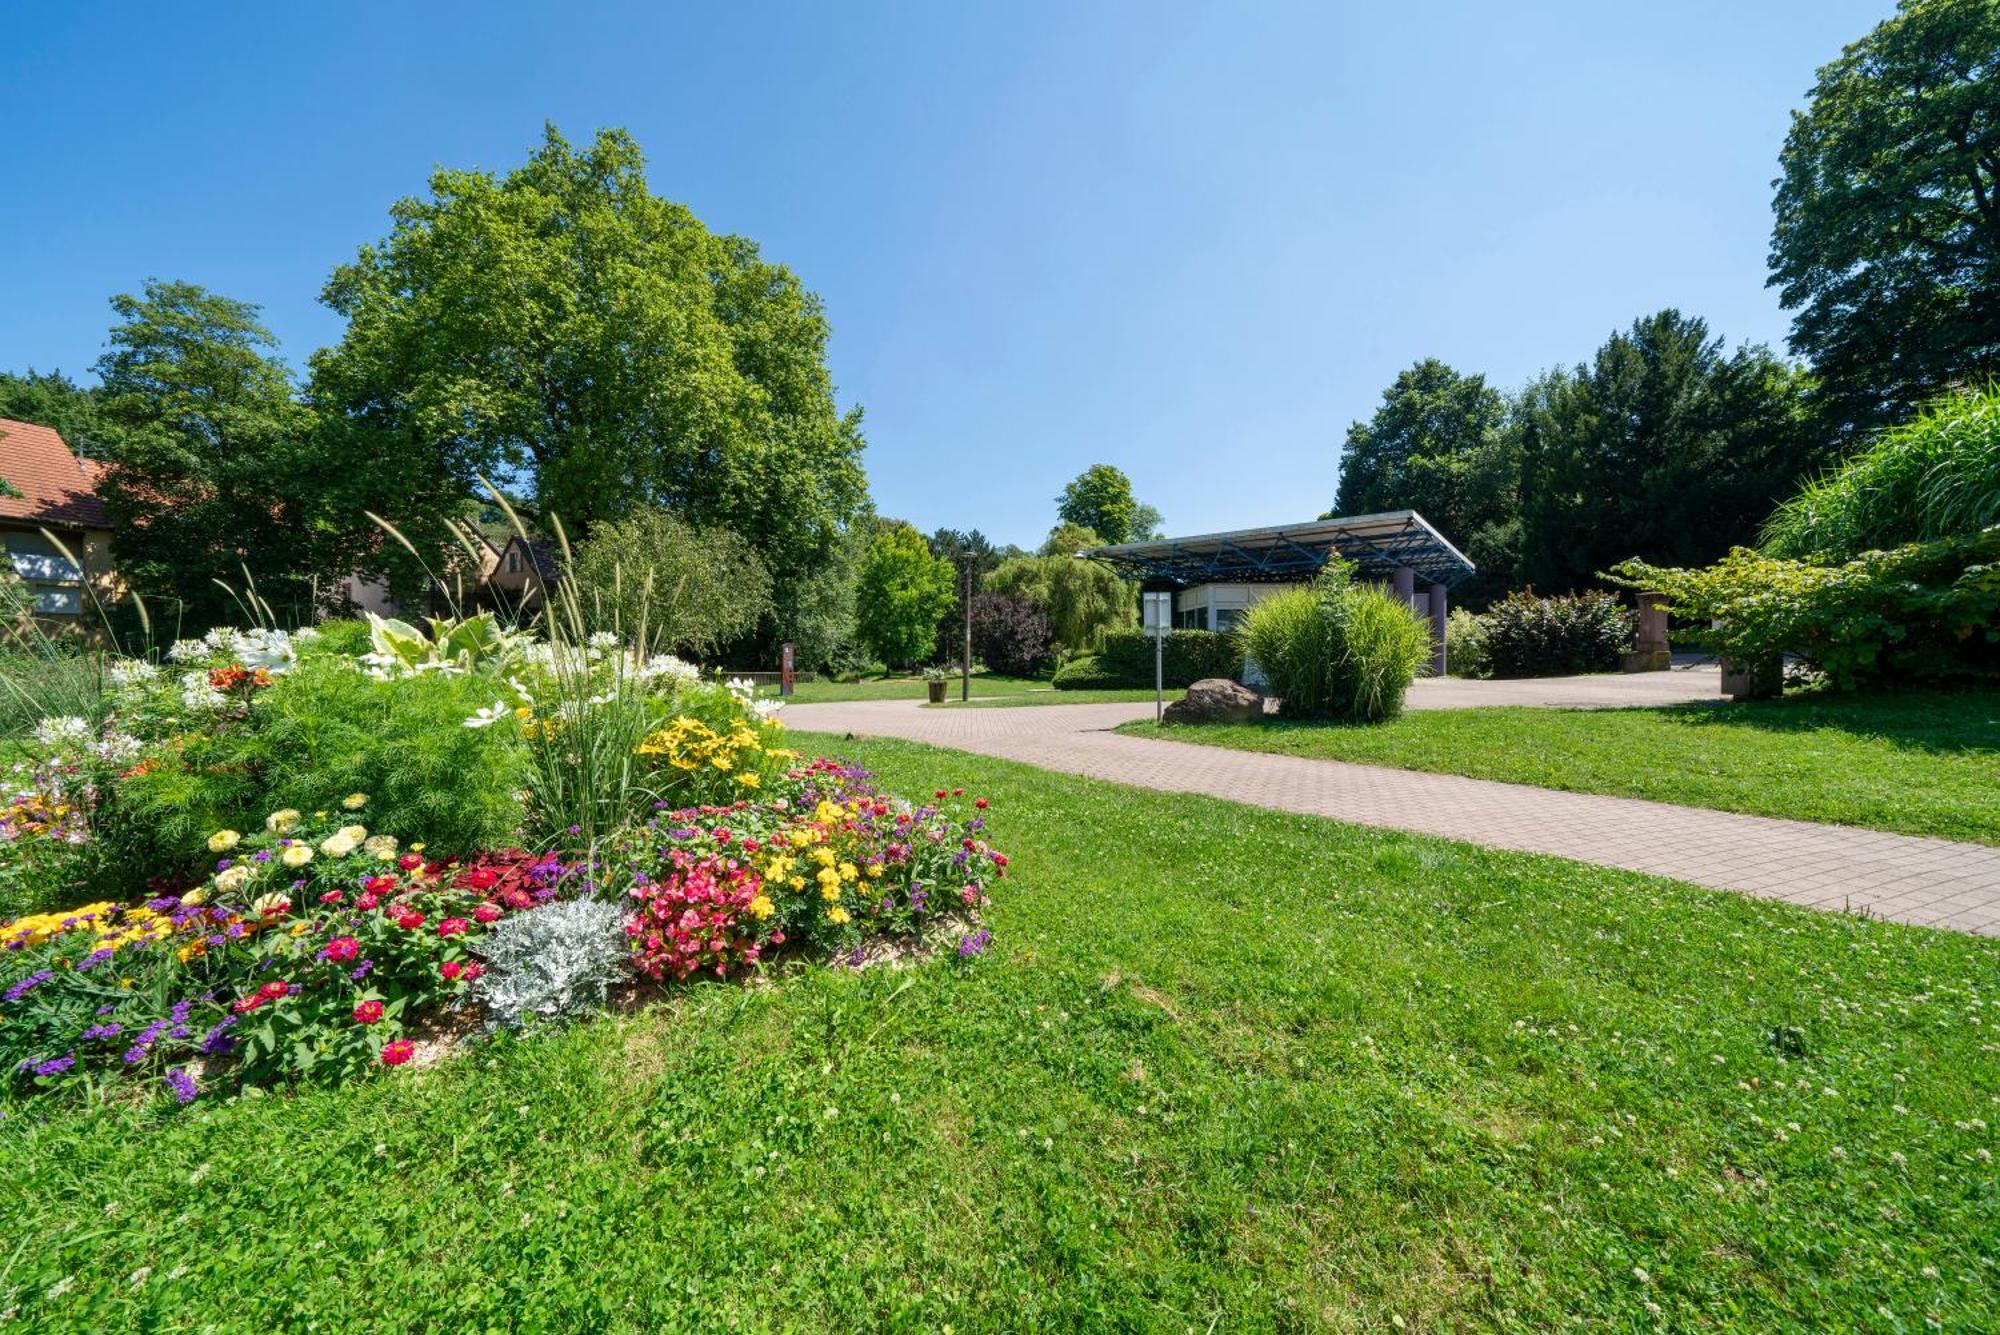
column 1930, row 882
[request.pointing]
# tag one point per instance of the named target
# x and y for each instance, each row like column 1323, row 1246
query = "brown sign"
column 785, row 669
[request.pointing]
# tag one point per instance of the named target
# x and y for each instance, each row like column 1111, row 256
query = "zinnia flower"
column 233, row 879
column 395, row 1054
column 342, row 949
column 354, row 801
column 409, row 920
column 223, row 840
column 296, row 855
column 368, row 1012
column 450, row 970
column 452, row 927
column 278, row 822
column 486, row 913
column 337, row 845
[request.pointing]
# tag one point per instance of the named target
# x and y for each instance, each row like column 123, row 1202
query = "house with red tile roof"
column 53, row 527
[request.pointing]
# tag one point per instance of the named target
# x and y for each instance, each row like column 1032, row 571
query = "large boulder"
column 1216, row 700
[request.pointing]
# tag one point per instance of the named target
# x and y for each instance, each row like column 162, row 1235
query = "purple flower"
column 55, row 1065
column 110, row 1030
column 975, row 945
column 261, row 855
column 29, row 984
column 361, row 970
column 217, row 1042
column 182, row 1084
column 93, row 959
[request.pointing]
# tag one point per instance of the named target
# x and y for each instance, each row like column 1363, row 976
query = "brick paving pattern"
column 1905, row 878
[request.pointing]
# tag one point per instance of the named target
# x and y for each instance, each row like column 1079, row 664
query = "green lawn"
column 1919, row 762
column 1226, row 1069
column 988, row 689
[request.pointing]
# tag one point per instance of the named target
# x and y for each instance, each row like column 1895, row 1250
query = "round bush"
column 1338, row 650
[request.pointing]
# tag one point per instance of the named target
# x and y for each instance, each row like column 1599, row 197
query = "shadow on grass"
column 1934, row 719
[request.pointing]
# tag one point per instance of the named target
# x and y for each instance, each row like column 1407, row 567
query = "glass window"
column 55, row 581
column 1226, row 618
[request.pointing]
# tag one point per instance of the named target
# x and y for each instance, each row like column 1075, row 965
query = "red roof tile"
column 56, row 487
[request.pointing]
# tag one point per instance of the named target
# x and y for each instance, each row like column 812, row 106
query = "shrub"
column 1011, row 635
column 1937, row 476
column 552, row 964
column 1085, row 673
column 1082, row 599
column 1339, row 649
column 1528, row 636
column 1188, row 656
column 901, row 593
column 1466, row 652
column 1929, row 609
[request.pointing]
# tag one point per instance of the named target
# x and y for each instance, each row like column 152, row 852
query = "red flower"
column 451, row 970
column 451, row 927
column 981, row 803
column 480, row 878
column 958, row 792
column 331, row 897
column 379, row 885
column 409, row 920
column 473, row 970
column 368, row 1012
column 939, row 794
column 395, row 1054
column 999, row 859
column 274, row 991
column 367, row 902
column 486, row 913
column 409, row 862
column 342, row 948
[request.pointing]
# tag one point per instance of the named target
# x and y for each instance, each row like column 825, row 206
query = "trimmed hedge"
column 1126, row 660
column 1528, row 636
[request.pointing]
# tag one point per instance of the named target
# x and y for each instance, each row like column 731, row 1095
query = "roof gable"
column 57, row 488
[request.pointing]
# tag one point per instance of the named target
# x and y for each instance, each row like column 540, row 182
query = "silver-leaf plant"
column 553, row 962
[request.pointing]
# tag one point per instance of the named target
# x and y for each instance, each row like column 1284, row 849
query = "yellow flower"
column 278, row 822
column 336, row 845
column 354, row 801
column 749, row 779
column 355, row 832
column 296, row 855
column 761, row 907
column 836, row 914
column 875, row 869
column 848, row 871
column 381, row 847
column 223, row 840
column 797, row 883
column 195, row 896
column 233, row 879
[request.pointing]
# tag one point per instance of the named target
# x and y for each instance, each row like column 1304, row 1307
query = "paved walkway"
column 1930, row 882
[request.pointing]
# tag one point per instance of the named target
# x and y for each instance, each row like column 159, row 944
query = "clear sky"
column 1194, row 241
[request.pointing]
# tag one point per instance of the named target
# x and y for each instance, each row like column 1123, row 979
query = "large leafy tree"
column 1665, row 446
column 662, row 582
column 901, row 594
column 215, row 474
column 52, row 399
column 1887, row 238
column 1100, row 499
column 1081, row 599
column 565, row 326
column 1439, row 443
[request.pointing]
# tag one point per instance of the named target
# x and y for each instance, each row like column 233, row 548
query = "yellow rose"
column 296, row 855
column 278, row 822
column 354, row 801
column 223, row 840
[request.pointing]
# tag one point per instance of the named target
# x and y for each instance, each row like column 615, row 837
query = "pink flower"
column 473, row 969
column 486, row 913
column 409, row 920
column 451, row 970
column 342, row 949
column 331, row 897
column 451, row 927
column 367, row 902
column 395, row 1054
column 368, row 1012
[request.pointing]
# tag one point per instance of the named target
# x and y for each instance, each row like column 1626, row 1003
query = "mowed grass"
column 989, row 689
column 1916, row 762
column 1225, row 1069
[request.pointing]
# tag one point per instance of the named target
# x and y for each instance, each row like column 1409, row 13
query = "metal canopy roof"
column 1291, row 553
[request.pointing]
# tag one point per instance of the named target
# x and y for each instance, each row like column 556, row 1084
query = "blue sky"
column 1194, row 241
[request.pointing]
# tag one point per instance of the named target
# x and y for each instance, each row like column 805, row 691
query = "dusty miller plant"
column 552, row 962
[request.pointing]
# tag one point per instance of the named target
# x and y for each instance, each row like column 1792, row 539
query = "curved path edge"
column 1904, row 878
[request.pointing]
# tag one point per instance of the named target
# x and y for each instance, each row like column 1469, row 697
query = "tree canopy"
column 1100, row 499
column 564, row 325
column 901, row 594
column 1887, row 236
column 660, row 581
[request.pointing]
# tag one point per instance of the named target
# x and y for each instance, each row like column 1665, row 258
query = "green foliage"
column 1082, row 599
column 217, row 468
column 1011, row 635
column 1922, row 610
column 1100, row 499
column 1887, row 240
column 316, row 735
column 1664, row 447
column 902, row 593
column 53, row 400
column 1526, row 636
column 1087, row 672
column 1934, row 477
column 1440, row 444
column 675, row 586
column 1337, row 650
column 1125, row 658
column 1465, row 645
column 476, row 643
column 563, row 321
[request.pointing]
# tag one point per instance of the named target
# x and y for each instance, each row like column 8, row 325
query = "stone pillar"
column 1403, row 581
column 1437, row 609
column 1650, row 653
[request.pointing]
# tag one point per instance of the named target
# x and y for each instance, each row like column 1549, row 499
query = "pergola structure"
column 1398, row 548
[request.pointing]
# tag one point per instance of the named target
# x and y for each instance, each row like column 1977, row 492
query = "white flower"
column 337, row 845
column 63, row 731
column 187, row 651
column 669, row 667
column 487, row 717
column 127, row 673
column 197, row 695
column 766, row 708
column 119, row 748
column 521, row 691
column 304, row 633
column 603, row 639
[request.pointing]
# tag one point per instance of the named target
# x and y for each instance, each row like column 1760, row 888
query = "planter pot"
column 937, row 691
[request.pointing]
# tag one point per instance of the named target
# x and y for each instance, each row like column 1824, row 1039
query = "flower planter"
column 937, row 691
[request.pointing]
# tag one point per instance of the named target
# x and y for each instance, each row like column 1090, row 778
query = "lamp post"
column 1156, row 613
